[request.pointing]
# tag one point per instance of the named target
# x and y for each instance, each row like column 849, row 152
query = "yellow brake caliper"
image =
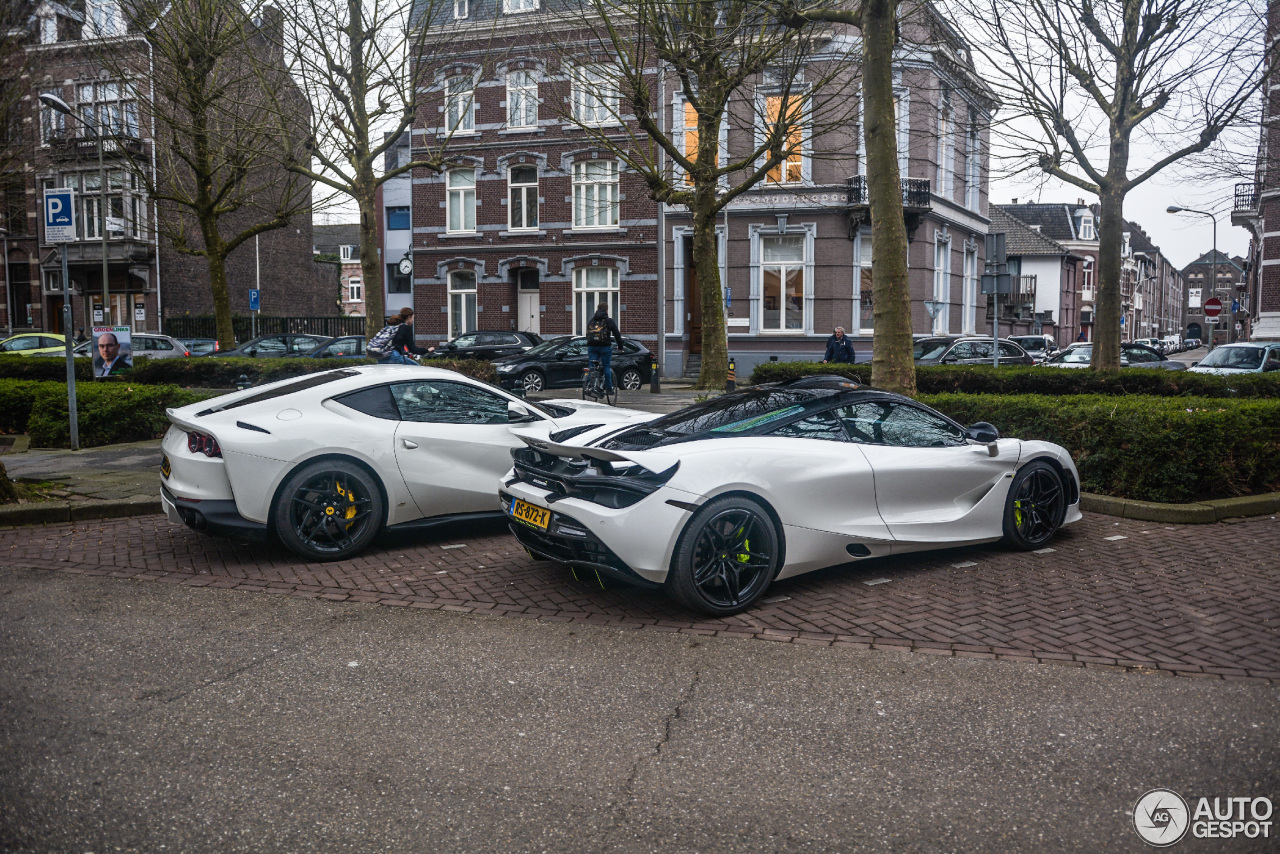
column 350, row 512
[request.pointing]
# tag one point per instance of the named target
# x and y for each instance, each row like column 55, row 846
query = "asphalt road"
column 149, row 717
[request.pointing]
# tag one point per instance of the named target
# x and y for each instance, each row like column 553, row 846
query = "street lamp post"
column 1173, row 209
column 8, row 285
column 56, row 103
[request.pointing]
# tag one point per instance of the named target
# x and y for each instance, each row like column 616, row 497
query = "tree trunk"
column 715, row 343
column 217, row 261
column 1107, row 308
column 371, row 267
column 893, row 367
column 8, row 492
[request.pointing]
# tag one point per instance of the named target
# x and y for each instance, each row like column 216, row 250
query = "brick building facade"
column 534, row 225
column 147, row 279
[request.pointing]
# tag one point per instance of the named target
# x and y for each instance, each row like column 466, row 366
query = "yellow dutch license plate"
column 165, row 468
column 534, row 517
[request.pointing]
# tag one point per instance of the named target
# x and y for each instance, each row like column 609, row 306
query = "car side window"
column 269, row 346
column 445, row 402
column 630, row 346
column 341, row 348
column 1009, row 351
column 1273, row 360
column 304, row 344
column 1137, row 354
column 50, row 342
column 963, row 350
column 29, row 342
column 376, row 401
column 158, row 344
column 822, row 425
column 574, row 348
column 898, row 424
column 466, row 340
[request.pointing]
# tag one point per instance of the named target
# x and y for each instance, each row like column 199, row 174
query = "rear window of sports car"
column 282, row 390
column 731, row 414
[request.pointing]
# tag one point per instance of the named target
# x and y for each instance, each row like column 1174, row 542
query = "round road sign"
column 1212, row 307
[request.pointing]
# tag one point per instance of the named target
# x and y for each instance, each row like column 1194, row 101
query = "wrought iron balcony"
column 86, row 147
column 1246, row 207
column 916, row 201
column 915, row 193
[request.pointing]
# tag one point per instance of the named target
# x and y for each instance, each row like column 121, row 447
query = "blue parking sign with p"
column 255, row 299
column 59, row 215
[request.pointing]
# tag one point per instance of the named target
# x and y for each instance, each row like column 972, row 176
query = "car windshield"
column 1075, row 356
column 1031, row 344
column 1243, row 358
column 930, row 348
column 547, row 346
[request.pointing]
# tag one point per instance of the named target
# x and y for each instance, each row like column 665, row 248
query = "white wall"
column 1048, row 273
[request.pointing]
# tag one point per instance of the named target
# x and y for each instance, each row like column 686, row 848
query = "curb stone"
column 52, row 512
column 1200, row 512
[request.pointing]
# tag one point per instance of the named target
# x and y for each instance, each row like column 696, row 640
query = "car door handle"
column 409, row 444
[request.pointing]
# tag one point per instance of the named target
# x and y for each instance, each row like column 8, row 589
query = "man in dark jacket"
column 839, row 348
column 601, row 333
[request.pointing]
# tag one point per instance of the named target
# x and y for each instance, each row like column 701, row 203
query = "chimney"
column 1080, row 202
column 1015, row 201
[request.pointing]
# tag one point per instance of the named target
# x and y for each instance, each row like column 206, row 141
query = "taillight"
column 216, row 346
column 202, row 443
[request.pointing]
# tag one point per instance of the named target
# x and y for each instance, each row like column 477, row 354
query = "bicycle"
column 593, row 386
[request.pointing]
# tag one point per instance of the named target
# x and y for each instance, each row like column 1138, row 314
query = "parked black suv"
column 487, row 345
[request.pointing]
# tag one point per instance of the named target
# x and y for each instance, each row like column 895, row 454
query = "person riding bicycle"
column 600, row 329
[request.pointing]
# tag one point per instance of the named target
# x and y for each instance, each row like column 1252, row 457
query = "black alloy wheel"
column 533, row 381
column 727, row 557
column 1036, row 506
column 631, row 379
column 328, row 510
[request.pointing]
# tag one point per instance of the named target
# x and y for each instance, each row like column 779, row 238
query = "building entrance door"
column 528, row 302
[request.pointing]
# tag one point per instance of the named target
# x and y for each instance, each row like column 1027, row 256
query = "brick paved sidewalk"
column 1200, row 600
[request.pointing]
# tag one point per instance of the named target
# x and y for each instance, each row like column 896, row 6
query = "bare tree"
column 712, row 54
column 1105, row 94
column 223, row 106
column 892, row 365
column 357, row 61
column 15, row 32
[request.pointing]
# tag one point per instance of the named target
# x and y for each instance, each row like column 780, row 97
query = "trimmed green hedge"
column 985, row 379
column 43, row 368
column 108, row 412
column 1143, row 447
column 211, row 371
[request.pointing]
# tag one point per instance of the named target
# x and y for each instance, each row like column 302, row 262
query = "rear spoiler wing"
column 655, row 462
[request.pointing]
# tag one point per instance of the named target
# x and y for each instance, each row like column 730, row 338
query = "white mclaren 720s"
column 326, row 461
column 716, row 501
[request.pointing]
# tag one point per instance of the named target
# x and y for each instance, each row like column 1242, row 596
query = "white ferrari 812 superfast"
column 716, row 501
column 326, row 461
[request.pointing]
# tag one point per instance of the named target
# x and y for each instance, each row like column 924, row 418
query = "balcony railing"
column 1024, row 289
column 915, row 192
column 1247, row 197
column 86, row 147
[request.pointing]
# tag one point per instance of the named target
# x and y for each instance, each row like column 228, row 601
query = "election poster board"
column 112, row 351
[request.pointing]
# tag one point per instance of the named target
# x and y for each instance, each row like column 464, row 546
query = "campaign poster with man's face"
column 113, row 351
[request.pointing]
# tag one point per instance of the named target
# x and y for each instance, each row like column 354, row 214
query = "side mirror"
column 562, row 355
column 982, row 432
column 253, row 353
column 518, row 413
column 1193, row 364
column 950, row 360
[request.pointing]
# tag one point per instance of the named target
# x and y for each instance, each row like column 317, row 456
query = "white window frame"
column 103, row 19
column 52, row 122
column 595, row 195
column 460, row 201
column 522, row 99
column 902, row 124
column 460, row 104
column 345, row 252
column 783, row 267
column 49, row 29
column 973, row 168
column 680, row 109
column 861, row 264
column 1087, row 231
column 355, row 289
column 587, row 295
column 942, row 282
column 463, row 288
column 969, row 309
column 594, row 95
column 1086, row 280
column 798, row 97
column 516, row 7
column 524, row 190
column 946, row 144
column 106, row 103
column 461, row 9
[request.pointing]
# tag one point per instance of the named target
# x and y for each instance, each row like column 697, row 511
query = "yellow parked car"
column 33, row 344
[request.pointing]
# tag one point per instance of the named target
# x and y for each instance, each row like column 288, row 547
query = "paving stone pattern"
column 1195, row 600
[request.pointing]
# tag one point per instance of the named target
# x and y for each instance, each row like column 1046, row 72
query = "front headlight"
column 508, row 369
